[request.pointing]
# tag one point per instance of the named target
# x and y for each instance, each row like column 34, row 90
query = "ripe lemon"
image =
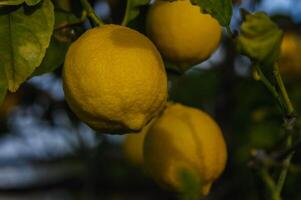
column 184, row 139
column 114, row 79
column 133, row 146
column 182, row 33
column 290, row 60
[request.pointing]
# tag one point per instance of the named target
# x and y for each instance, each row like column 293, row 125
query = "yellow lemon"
column 290, row 59
column 182, row 33
column 114, row 79
column 133, row 146
column 184, row 139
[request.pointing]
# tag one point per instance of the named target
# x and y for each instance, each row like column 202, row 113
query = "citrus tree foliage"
column 260, row 38
column 61, row 38
column 34, row 40
column 219, row 9
column 25, row 34
column 17, row 2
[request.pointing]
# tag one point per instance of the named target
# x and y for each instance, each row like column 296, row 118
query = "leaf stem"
column 91, row 13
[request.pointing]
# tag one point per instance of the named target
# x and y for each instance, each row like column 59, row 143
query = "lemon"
column 114, row 79
column 133, row 146
column 184, row 139
column 290, row 60
column 182, row 33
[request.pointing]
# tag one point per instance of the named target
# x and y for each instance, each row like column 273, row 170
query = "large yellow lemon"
column 114, row 79
column 184, row 139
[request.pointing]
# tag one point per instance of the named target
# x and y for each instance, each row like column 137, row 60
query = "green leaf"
column 133, row 10
column 54, row 57
column 219, row 9
column 260, row 38
column 18, row 2
column 60, row 41
column 25, row 34
column 10, row 2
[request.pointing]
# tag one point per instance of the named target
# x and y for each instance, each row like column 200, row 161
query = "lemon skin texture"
column 114, row 79
column 184, row 138
column 182, row 33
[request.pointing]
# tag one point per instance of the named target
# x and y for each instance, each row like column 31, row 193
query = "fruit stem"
column 91, row 13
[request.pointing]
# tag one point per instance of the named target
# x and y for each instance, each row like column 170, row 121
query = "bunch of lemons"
column 114, row 80
column 181, row 139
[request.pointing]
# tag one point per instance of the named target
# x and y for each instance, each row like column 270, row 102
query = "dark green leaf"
column 25, row 34
column 133, row 9
column 260, row 38
column 219, row 9
column 54, row 57
column 17, row 2
column 11, row 2
column 60, row 41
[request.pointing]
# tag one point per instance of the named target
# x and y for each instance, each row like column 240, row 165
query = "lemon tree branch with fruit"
column 115, row 78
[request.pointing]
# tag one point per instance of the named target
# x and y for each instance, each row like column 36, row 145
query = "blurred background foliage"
column 47, row 153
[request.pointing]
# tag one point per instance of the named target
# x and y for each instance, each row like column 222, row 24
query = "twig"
column 270, row 183
column 262, row 158
column 289, row 123
column 283, row 173
column 91, row 13
column 289, row 106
